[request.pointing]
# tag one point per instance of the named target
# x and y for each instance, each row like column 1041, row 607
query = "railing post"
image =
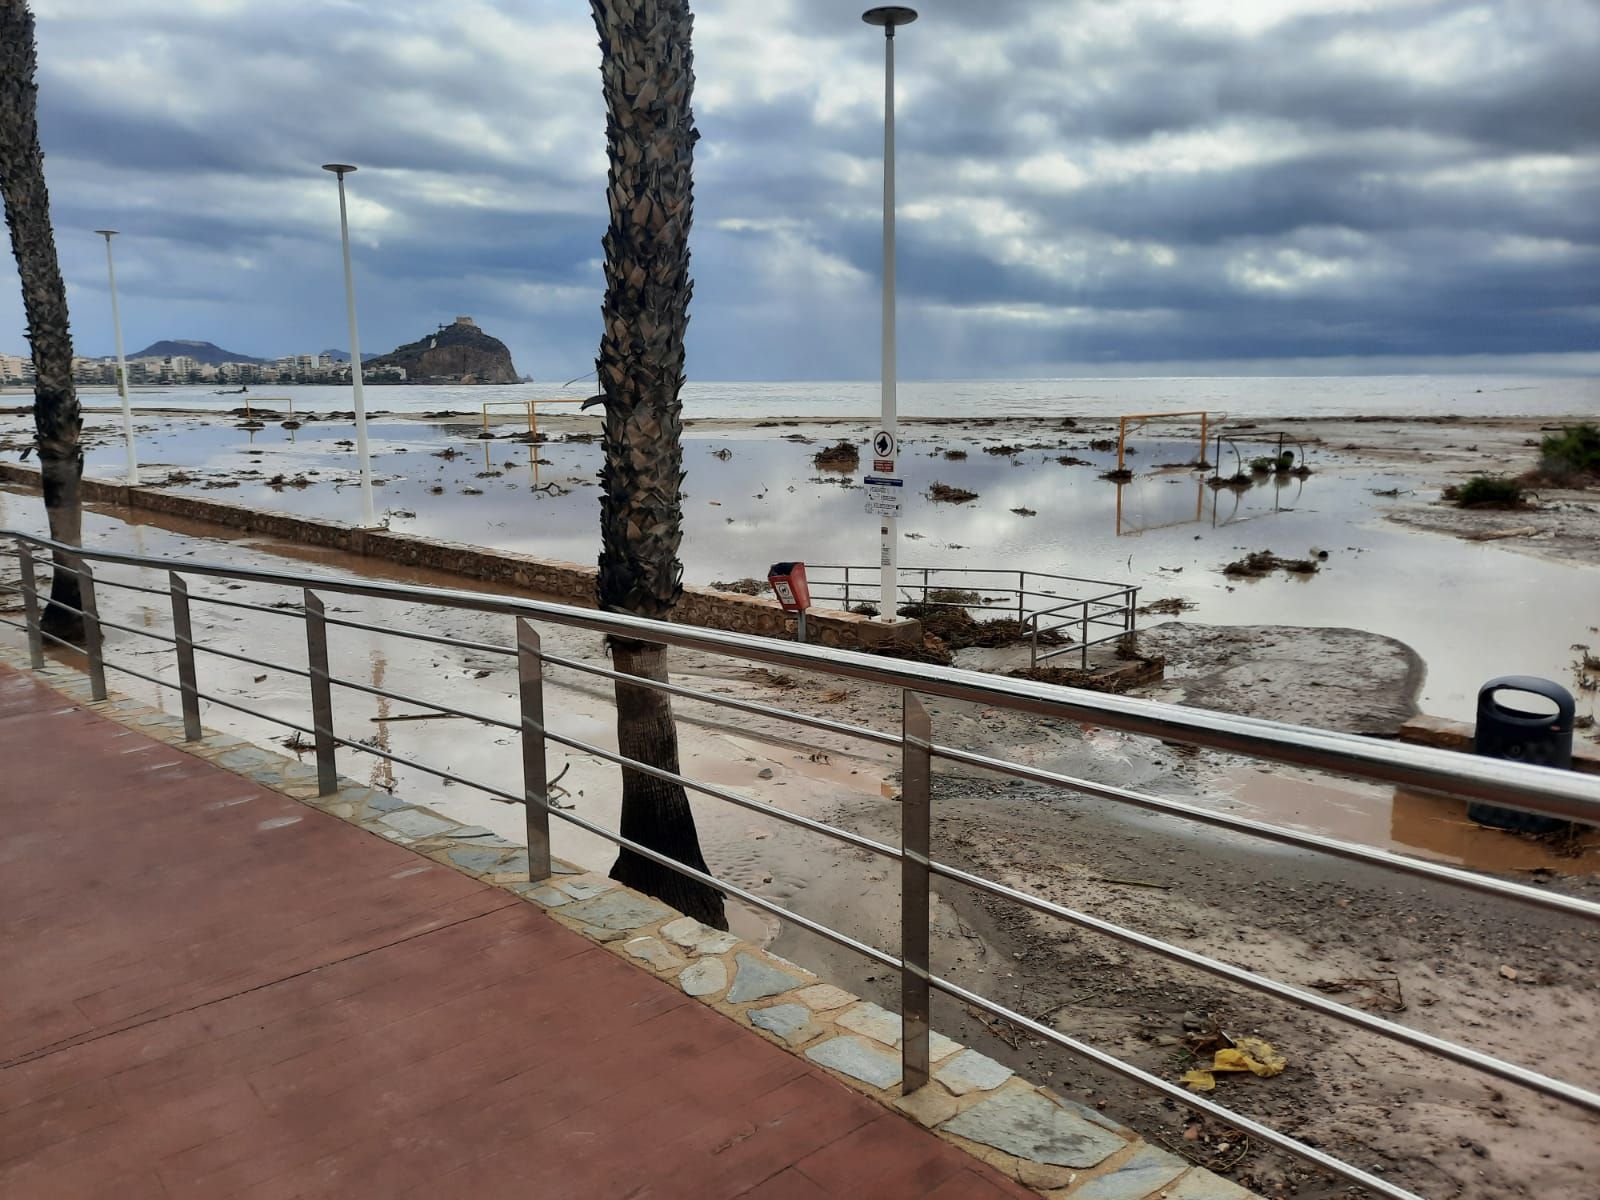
column 535, row 788
column 30, row 604
column 1022, row 587
column 183, row 635
column 321, row 694
column 915, row 820
column 1083, row 655
column 93, row 636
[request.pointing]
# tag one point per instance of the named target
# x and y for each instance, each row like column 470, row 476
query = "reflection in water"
column 1130, row 527
column 1436, row 824
column 1518, row 614
column 1241, row 512
column 1397, row 819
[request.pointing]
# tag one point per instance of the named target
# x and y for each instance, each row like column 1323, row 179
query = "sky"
column 1085, row 186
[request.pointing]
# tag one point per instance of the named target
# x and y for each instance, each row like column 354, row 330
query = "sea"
column 1254, row 396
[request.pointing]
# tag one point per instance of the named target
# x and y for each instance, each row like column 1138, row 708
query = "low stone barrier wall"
column 700, row 606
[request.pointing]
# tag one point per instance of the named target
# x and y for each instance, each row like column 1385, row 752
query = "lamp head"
column 106, row 233
column 339, row 169
column 889, row 16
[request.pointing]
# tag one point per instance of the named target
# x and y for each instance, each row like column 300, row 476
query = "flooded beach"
column 1470, row 609
column 1397, row 616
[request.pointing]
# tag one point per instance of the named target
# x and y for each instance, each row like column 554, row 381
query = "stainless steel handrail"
column 1520, row 786
column 1495, row 781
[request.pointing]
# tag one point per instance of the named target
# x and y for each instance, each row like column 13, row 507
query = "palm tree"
column 57, row 418
column 647, row 73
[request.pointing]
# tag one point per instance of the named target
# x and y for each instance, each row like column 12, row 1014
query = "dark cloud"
column 1089, row 182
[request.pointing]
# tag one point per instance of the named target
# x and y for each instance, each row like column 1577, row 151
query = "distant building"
column 16, row 368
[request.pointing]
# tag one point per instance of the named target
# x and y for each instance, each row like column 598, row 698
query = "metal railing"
column 1554, row 793
column 1115, row 610
column 992, row 591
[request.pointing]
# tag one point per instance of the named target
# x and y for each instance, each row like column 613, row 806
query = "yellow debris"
column 1248, row 1054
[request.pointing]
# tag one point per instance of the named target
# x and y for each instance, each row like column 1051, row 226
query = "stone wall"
column 560, row 580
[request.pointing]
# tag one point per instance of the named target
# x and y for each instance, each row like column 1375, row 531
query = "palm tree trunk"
column 647, row 73
column 57, row 418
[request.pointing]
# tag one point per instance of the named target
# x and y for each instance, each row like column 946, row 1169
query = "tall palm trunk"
column 647, row 72
column 57, row 418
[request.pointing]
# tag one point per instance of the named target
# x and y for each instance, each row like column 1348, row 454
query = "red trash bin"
column 788, row 580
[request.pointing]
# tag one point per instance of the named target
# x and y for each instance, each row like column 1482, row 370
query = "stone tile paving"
column 859, row 1059
column 791, row 1022
column 1028, row 1124
column 1052, row 1145
column 1147, row 1171
column 970, row 1071
column 756, row 979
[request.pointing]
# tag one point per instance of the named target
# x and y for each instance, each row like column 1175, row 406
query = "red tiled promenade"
column 208, row 990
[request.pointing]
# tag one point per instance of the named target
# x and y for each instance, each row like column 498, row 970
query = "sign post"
column 888, row 17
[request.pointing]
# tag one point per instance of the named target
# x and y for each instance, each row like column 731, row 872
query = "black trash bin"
column 1542, row 739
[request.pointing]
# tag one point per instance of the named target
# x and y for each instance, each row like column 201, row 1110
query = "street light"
column 889, row 17
column 122, row 366
column 368, row 519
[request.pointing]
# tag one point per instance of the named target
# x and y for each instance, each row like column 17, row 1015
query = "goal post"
column 1140, row 420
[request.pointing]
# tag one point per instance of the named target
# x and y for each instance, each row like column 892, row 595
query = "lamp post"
column 889, row 18
column 368, row 519
column 122, row 365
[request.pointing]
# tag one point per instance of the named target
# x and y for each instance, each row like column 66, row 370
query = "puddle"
column 1412, row 822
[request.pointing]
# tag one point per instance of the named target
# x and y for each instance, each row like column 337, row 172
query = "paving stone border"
column 1052, row 1145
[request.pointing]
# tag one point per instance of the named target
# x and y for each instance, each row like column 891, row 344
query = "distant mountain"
column 458, row 352
column 344, row 356
column 202, row 352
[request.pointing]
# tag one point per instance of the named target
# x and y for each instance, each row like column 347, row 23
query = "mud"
column 1344, row 679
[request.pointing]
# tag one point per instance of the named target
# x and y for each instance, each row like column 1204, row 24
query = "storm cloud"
column 1097, row 184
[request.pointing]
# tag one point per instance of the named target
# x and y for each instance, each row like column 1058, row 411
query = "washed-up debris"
column 1072, row 460
column 1260, row 563
column 841, row 456
column 1026, row 512
column 955, row 455
column 944, row 493
column 744, row 587
column 1171, row 606
column 1251, row 1054
column 724, row 454
column 1010, row 451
